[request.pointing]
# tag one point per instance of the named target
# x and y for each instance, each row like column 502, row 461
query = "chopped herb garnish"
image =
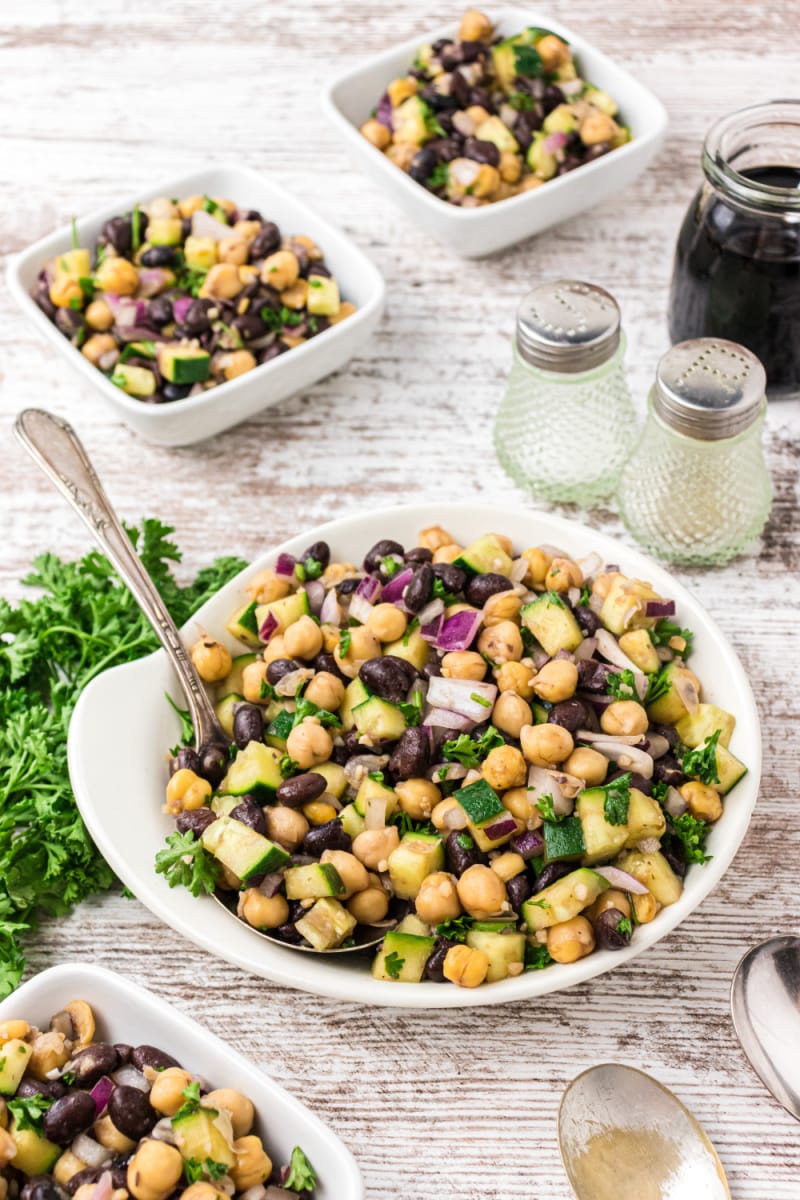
column 585, row 596
column 406, row 824
column 412, row 625
column 376, row 776
column 187, row 863
column 701, row 763
column 315, row 283
column 666, row 630
column 266, row 691
column 431, row 121
column 191, row 1101
column 618, row 799
column 522, row 102
column 126, row 894
column 546, row 806
column 216, row 210
column 484, row 703
column 187, row 728
column 465, row 841
column 209, row 1169
column 313, row 568
column 624, row 926
column 658, row 685
column 28, row 1111
column 439, row 177
column 471, row 752
column 528, row 62
column 136, row 228
column 118, row 379
column 391, row 565
column 455, row 930
column 75, row 243
column 287, row 766
column 307, row 708
column 87, row 286
column 692, row 834
column 301, row 1177
column 440, row 592
column 344, row 643
column 412, row 711
column 536, row 958
column 622, row 684
column 393, row 964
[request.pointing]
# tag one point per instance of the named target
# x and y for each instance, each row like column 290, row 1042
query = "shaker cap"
column 565, row 325
column 709, row 388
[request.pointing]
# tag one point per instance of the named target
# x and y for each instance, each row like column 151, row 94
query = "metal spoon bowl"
column 765, row 1005
column 364, row 936
column 58, row 450
column 624, row 1136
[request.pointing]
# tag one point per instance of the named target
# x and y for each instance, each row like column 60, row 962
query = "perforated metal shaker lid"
column 708, row 388
column 567, row 326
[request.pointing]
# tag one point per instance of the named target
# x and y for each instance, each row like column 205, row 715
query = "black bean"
column 451, row 56
column 213, row 762
column 434, row 967
column 669, row 732
column 159, row 311
column 272, row 351
column 518, row 889
column 53, row 1088
column 196, row 319
column 319, row 552
column 150, row 1056
column 195, row 821
column 453, row 578
column 423, row 164
column 480, row 96
column 69, row 1116
column 266, row 240
column 249, row 325
column 131, row 1112
column 672, row 849
column 432, row 667
column 326, row 662
column 40, row 1187
column 320, row 268
column 301, row 789
column 461, row 852
column 381, row 550
column 588, row 621
column 419, row 554
column 186, row 759
column 420, row 589
column 571, row 161
column 124, row 1051
column 250, row 814
column 119, row 1173
column 330, row 836
column 569, row 714
column 472, row 51
column 552, row 97
column 347, row 586
column 593, row 675
column 641, row 784
column 280, row 667
column 41, row 297
column 248, row 724
column 481, row 151
column 668, row 770
column 388, row 677
column 550, row 873
column 159, row 256
column 607, row 930
column 93, row 1063
column 481, row 587
column 440, row 102
column 287, row 933
column 69, row 322
column 596, row 151
column 87, row 1175
column 118, row 233
column 447, row 148
column 175, row 391
column 301, row 254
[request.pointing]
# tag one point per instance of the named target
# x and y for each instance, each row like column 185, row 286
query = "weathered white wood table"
column 101, row 99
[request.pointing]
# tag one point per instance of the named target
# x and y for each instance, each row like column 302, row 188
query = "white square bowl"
column 183, row 422
column 475, row 232
column 128, row 1013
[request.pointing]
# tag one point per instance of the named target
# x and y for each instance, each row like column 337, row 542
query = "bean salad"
column 86, row 1118
column 184, row 294
column 510, row 744
column 480, row 118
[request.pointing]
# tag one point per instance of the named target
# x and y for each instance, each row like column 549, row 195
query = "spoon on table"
column 765, row 1005
column 58, row 450
column 624, row 1136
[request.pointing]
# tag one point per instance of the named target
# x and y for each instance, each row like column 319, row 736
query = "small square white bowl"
column 183, row 422
column 475, row 232
column 128, row 1013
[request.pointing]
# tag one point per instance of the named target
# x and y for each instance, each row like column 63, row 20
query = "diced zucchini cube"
column 417, row 857
column 136, row 381
column 323, row 296
column 200, row 253
column 165, row 231
column 326, row 925
column 183, row 364
column 402, row 958
column 313, row 881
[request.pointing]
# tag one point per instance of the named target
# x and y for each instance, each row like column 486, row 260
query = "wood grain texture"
column 99, row 100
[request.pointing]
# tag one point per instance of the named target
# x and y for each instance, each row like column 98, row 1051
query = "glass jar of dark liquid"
column 737, row 262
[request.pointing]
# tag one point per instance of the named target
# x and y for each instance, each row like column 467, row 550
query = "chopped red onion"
column 268, row 628
column 508, row 115
column 519, row 569
column 464, row 171
column 153, row 280
column 564, row 654
column 104, row 1188
column 574, row 595
column 294, row 681
column 206, row 226
column 258, row 1192
column 431, row 631
column 586, row 649
column 674, row 803
column 315, row 590
column 465, row 696
column 101, row 1092
column 529, row 843
column 687, row 692
column 360, row 609
column 611, row 569
column 106, row 361
column 622, row 880
column 464, row 123
column 459, row 631
column 139, row 333
column 383, row 113
column 626, row 739
column 370, row 588
column 129, row 1076
column 660, row 608
column 331, row 611
column 441, row 718
column 541, row 783
column 590, row 564
column 285, row 565
column 657, row 745
column 271, row 884
column 181, row 306
column 455, row 818
column 130, row 312
column 501, row 827
column 393, row 590
column 433, row 609
column 595, row 603
column 359, row 766
column 608, row 646
column 629, row 758
column 443, row 772
column 91, row 1152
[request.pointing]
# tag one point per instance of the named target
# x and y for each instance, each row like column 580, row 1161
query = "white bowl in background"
column 121, row 729
column 183, row 422
column 474, row 232
column 128, row 1013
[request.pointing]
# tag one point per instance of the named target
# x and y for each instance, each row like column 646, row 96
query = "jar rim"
column 718, row 155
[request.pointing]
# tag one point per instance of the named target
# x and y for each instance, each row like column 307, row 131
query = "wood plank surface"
column 100, row 99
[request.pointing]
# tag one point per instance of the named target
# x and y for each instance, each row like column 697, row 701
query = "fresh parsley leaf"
column 344, row 643
column 431, row 121
column 87, row 286
column 216, row 210
column 406, row 824
column 287, row 766
column 119, row 379
column 666, row 630
column 209, row 1169
column 701, row 763
column 528, row 62
column 622, row 684
column 484, row 703
column 301, row 1177
column 266, row 691
column 391, row 565
column 313, row 568
column 412, row 711
column 440, row 592
column 658, row 685
column 187, row 863
column 28, row 1111
column 455, row 930
column 659, row 791
column 618, row 799
column 624, row 926
column 412, row 625
column 439, row 177
column 136, row 228
column 126, row 894
column 465, row 841
column 522, row 102
column 585, row 596
column 307, row 708
column 191, row 1101
column 376, row 776
column 537, row 958
column 545, row 806
column 291, row 318
column 393, row 964
column 187, row 728
column 692, row 834
column 471, row 752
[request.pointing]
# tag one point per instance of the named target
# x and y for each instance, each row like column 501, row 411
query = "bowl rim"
column 48, row 245
column 441, row 207
column 302, row 971
column 86, row 978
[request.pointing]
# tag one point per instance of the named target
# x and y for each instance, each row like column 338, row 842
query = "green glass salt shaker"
column 696, row 490
column 566, row 423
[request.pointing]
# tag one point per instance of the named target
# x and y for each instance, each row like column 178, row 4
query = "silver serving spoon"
column 58, row 450
column 765, row 1005
column 624, row 1136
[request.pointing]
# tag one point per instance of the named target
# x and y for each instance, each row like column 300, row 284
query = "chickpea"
column 418, row 797
column 295, row 297
column 238, row 1107
column 486, row 182
column 376, row 133
column 96, row 346
column 613, row 898
column 387, row 622
column 626, row 717
column 166, row 1093
column 502, row 643
column 319, row 812
column 154, row 1170
column 236, row 363
column 65, row 291
column 597, row 127
column 346, row 309
column 704, row 801
column 249, row 230
column 481, row 892
column 563, row 574
column 49, row 1051
column 254, row 682
column 437, row 899
column 99, row 316
column 538, row 566
column 645, row 907
column 303, row 639
column 202, row 1190
column 553, row 52
column 508, row 865
column 557, row 680
column 477, row 114
column 510, row 713
column 464, row 664
column 11, row 1030
column 447, row 554
column 400, row 90
column 515, row 677
column 589, row 765
column 211, row 660
column 189, row 205
column 603, row 583
column 570, row 940
column 502, row 606
column 285, row 825
column 253, row 1164
column 401, row 154
column 107, row 1134
column 440, row 812
column 325, row 690
column 475, row 27
column 233, row 249
column 309, row 743
column 373, row 846
column 369, row 906
column 363, row 645
column 263, row 912
column 266, row 586
column 117, row 275
column 330, row 637
column 274, row 649
column 546, row 745
column 8, row 1148
column 520, row 803
column 510, row 166
column 353, row 873
column 161, row 208
column 186, row 791
column 504, row 767
column 434, row 537
column 465, row 966
column 221, row 283
column 280, row 270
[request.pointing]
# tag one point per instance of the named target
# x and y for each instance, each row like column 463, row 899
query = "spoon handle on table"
column 58, row 450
